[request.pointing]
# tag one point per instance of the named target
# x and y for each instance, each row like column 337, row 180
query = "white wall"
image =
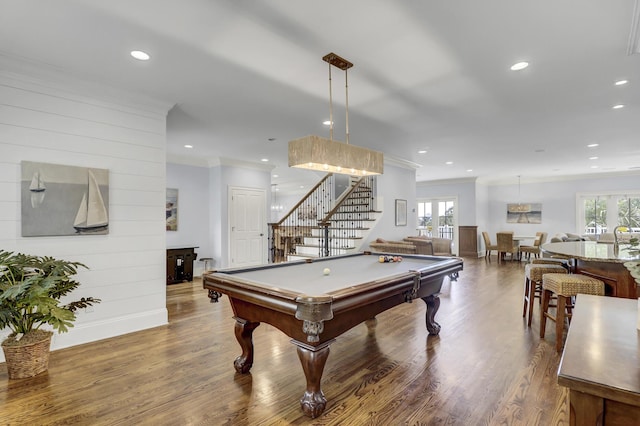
column 396, row 183
column 485, row 205
column 229, row 174
column 558, row 198
column 193, row 211
column 463, row 189
column 53, row 120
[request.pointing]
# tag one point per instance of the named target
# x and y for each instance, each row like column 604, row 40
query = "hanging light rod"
column 318, row 153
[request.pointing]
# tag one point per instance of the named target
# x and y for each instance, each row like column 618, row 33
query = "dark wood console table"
column 180, row 264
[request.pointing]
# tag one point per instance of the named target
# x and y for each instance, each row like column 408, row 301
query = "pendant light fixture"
column 318, row 153
column 520, row 208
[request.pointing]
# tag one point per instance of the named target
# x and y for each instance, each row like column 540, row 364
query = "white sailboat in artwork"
column 37, row 184
column 92, row 215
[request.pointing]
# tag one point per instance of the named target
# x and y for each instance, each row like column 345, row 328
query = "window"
column 437, row 217
column 595, row 215
column 445, row 230
column 603, row 212
column 425, row 220
column 629, row 213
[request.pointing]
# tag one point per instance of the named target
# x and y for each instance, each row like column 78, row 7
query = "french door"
column 438, row 217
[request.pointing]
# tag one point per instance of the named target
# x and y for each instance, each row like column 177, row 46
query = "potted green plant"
column 31, row 288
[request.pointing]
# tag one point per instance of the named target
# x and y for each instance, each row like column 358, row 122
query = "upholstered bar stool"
column 552, row 261
column 565, row 287
column 533, row 273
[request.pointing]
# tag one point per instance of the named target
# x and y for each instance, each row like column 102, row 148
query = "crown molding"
column 456, row 181
column 232, row 162
column 401, row 162
column 541, row 179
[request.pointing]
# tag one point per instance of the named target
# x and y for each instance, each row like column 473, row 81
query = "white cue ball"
column 326, row 271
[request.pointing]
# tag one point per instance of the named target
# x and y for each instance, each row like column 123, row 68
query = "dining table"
column 601, row 261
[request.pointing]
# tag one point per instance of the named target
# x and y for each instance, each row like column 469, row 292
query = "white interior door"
column 247, row 219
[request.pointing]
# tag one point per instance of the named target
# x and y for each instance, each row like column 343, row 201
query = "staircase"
column 340, row 229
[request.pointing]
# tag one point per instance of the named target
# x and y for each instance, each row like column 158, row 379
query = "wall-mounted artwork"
column 401, row 212
column 524, row 213
column 63, row 200
column 172, row 209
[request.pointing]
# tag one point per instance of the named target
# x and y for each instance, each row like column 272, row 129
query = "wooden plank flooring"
column 485, row 368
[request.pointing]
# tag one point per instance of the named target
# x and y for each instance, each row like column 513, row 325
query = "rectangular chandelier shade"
column 325, row 155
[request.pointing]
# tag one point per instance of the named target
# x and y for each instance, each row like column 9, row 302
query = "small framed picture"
column 172, row 209
column 401, row 212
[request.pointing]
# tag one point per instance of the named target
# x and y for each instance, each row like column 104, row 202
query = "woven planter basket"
column 28, row 360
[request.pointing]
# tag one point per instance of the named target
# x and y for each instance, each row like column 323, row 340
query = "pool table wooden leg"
column 433, row 304
column 313, row 360
column 244, row 335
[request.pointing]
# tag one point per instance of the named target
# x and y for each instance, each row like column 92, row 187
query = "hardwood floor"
column 485, row 368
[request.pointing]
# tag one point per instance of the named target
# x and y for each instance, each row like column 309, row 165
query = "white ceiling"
column 428, row 75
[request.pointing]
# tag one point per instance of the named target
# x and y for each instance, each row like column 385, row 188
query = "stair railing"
column 317, row 215
column 349, row 216
column 290, row 231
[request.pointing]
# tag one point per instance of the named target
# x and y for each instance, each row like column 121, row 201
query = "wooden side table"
column 601, row 362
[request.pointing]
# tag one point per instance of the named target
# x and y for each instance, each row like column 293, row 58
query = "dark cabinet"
column 180, row 264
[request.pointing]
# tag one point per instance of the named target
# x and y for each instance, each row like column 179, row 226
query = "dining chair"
column 541, row 237
column 488, row 247
column 506, row 244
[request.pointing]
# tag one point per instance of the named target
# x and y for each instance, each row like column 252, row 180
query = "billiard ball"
column 326, row 271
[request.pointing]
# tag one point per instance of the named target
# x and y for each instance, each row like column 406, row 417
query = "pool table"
column 313, row 302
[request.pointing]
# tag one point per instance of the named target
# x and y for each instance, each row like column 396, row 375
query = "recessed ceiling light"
column 619, row 106
column 449, row 163
column 621, row 82
column 301, row 186
column 469, row 170
column 327, row 122
column 271, row 139
column 519, row 66
column 275, row 176
column 264, row 160
column 140, row 55
column 422, row 151
column 188, row 146
column 592, row 145
column 593, row 158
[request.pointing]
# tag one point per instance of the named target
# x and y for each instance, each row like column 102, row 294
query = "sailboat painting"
column 77, row 201
column 92, row 214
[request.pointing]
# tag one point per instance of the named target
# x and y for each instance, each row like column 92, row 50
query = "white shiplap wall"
column 54, row 121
